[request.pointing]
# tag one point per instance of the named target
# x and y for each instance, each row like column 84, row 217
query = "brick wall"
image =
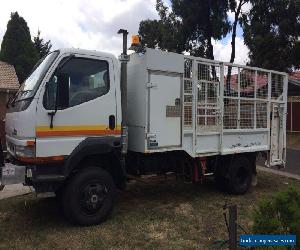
column 4, row 97
column 293, row 114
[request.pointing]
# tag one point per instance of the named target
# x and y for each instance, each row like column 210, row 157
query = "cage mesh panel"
column 188, row 94
column 209, row 73
column 230, row 113
column 261, row 114
column 201, row 121
column 230, row 81
column 212, row 92
column 262, row 85
column 246, row 114
column 188, row 99
column 201, row 92
column 247, row 83
column 188, row 102
column 188, row 66
column 207, row 98
column 188, row 115
column 188, row 87
column 277, row 86
column 246, row 96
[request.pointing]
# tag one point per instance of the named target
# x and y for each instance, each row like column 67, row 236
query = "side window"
column 79, row 80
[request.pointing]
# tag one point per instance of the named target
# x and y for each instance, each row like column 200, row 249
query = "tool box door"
column 164, row 110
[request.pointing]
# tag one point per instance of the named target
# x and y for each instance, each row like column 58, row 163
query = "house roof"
column 294, row 83
column 295, row 76
column 262, row 80
column 248, row 79
column 8, row 77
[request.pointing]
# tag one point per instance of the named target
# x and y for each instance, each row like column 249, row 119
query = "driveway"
column 293, row 162
column 14, row 190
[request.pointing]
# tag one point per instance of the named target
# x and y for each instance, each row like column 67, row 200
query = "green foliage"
column 271, row 32
column 279, row 215
column 43, row 48
column 189, row 26
column 203, row 21
column 166, row 33
column 17, row 48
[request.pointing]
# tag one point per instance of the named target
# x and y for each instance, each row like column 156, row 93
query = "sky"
column 93, row 24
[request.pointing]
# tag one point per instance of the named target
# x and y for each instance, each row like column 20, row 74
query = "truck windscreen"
column 31, row 84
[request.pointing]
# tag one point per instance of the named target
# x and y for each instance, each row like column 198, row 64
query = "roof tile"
column 8, row 77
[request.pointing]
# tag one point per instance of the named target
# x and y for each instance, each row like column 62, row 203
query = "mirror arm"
column 51, row 114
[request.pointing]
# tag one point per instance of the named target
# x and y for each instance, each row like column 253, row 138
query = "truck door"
column 277, row 151
column 164, row 110
column 83, row 90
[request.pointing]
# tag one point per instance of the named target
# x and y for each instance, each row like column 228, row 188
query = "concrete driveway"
column 14, row 190
column 293, row 162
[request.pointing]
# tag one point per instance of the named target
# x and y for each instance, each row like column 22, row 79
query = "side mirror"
column 50, row 99
column 50, row 95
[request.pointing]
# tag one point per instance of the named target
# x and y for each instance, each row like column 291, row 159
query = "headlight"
column 25, row 151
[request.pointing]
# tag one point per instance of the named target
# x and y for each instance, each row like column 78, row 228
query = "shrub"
column 279, row 215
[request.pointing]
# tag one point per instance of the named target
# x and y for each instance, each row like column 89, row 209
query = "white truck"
column 81, row 124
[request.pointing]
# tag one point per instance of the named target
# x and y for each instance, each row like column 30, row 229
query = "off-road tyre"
column 240, row 174
column 88, row 197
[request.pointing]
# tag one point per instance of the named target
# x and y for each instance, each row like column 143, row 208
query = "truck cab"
column 45, row 134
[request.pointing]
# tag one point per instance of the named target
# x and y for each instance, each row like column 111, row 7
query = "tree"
column 43, row 48
column 203, row 21
column 236, row 8
column 166, row 33
column 17, row 48
column 271, row 32
column 190, row 26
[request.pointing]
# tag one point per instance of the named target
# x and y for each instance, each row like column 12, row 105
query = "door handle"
column 112, row 122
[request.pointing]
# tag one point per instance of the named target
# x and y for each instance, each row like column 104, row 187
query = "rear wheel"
column 239, row 175
column 89, row 196
column 221, row 181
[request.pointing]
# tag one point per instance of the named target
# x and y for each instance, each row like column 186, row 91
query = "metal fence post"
column 232, row 227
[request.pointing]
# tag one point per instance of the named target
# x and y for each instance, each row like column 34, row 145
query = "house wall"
column 293, row 115
column 4, row 97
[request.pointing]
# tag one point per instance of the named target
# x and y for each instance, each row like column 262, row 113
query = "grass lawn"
column 153, row 215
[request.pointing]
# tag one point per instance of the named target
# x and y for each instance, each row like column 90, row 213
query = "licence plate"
column 8, row 170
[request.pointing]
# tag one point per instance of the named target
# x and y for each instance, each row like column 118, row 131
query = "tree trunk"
column 210, row 55
column 233, row 36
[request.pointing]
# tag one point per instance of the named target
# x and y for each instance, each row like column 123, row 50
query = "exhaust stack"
column 124, row 58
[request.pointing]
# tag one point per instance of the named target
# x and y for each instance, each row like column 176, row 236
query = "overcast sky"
column 93, row 24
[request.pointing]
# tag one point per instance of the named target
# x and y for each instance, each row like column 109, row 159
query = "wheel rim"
column 92, row 197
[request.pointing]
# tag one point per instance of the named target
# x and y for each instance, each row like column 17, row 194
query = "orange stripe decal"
column 40, row 160
column 77, row 133
column 45, row 131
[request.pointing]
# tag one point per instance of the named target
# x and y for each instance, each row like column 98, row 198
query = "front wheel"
column 88, row 197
